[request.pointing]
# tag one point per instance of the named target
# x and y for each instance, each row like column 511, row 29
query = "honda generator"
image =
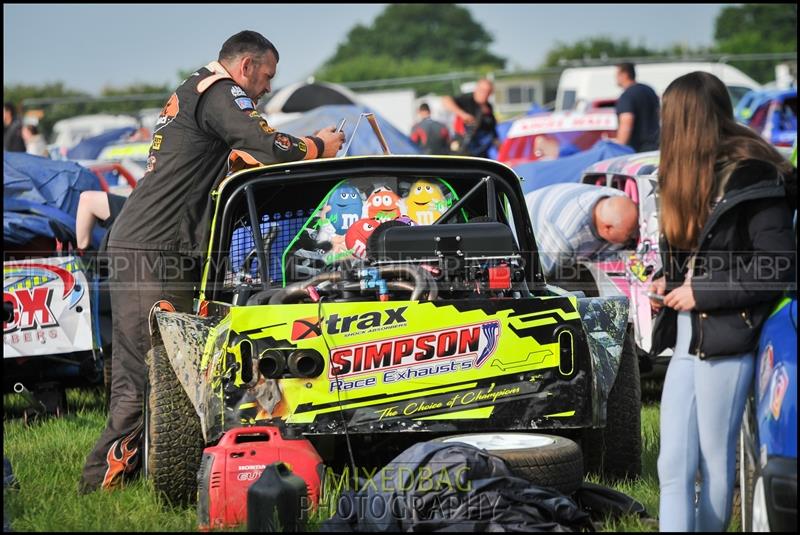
column 237, row 461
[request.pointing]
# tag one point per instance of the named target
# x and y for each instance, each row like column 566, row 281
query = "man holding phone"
column 208, row 129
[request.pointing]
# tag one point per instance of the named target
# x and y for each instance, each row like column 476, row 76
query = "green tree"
column 21, row 94
column 756, row 28
column 596, row 48
column 412, row 40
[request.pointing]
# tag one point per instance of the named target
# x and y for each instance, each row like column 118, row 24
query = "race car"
column 772, row 114
column 56, row 325
column 768, row 438
column 385, row 300
column 549, row 136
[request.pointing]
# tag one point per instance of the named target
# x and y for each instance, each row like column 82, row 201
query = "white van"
column 581, row 87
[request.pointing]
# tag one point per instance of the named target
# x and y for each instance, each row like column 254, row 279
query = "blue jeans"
column 701, row 412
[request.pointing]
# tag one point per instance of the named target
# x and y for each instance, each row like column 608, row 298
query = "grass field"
column 47, row 458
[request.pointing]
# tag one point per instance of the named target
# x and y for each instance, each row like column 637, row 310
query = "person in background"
column 429, row 135
column 12, row 129
column 34, row 141
column 572, row 222
column 208, row 128
column 724, row 215
column 475, row 124
column 637, row 111
column 96, row 207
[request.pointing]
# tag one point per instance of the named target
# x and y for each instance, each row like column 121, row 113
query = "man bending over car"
column 579, row 221
column 208, row 128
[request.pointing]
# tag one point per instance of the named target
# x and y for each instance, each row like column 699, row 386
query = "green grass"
column 47, row 457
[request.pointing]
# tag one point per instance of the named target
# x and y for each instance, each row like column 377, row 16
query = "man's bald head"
column 617, row 219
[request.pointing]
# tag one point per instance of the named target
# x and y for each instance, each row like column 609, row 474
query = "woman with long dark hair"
column 728, row 253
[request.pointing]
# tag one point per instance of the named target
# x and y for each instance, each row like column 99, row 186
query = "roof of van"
column 592, row 83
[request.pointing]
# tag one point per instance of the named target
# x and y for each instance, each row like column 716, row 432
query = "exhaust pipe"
column 305, row 363
column 33, row 402
column 271, row 363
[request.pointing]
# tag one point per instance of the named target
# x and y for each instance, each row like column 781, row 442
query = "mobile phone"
column 656, row 297
column 341, row 126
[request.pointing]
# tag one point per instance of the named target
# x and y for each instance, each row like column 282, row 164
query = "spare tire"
column 174, row 445
column 545, row 460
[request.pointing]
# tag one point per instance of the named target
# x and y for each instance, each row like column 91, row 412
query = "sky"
column 91, row 46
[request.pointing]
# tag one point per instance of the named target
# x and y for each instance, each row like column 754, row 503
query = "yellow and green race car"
column 389, row 298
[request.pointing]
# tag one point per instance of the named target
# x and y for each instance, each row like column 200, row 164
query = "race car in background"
column 56, row 329
column 549, row 136
column 771, row 113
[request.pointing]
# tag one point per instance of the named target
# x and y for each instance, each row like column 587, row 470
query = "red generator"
column 229, row 468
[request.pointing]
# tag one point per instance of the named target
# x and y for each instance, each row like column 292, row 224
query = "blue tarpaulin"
column 543, row 173
column 91, row 147
column 364, row 143
column 38, row 190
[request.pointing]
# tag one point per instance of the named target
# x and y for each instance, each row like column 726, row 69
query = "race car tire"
column 175, row 442
column 615, row 451
column 545, row 460
column 745, row 472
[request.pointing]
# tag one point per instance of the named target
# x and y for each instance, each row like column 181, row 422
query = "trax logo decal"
column 478, row 340
column 335, row 324
column 306, row 328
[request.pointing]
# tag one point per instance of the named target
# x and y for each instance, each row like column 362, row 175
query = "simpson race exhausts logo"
column 477, row 341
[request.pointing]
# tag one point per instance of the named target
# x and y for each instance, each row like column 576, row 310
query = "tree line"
column 408, row 40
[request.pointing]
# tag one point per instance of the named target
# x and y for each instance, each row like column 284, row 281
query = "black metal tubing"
column 491, row 201
column 454, row 209
column 255, row 225
column 400, row 166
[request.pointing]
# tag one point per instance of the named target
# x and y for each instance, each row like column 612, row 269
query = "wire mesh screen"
column 281, row 227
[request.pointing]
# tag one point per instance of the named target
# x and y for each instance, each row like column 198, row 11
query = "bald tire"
column 615, row 452
column 175, row 438
column 558, row 465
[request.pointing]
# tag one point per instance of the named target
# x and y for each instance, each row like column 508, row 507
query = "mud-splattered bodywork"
column 540, row 363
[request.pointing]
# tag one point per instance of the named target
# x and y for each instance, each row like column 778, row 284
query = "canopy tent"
column 543, row 173
column 40, row 190
column 364, row 142
column 301, row 97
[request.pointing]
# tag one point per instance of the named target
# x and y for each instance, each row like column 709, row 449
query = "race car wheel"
column 175, row 438
column 615, row 451
column 545, row 460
